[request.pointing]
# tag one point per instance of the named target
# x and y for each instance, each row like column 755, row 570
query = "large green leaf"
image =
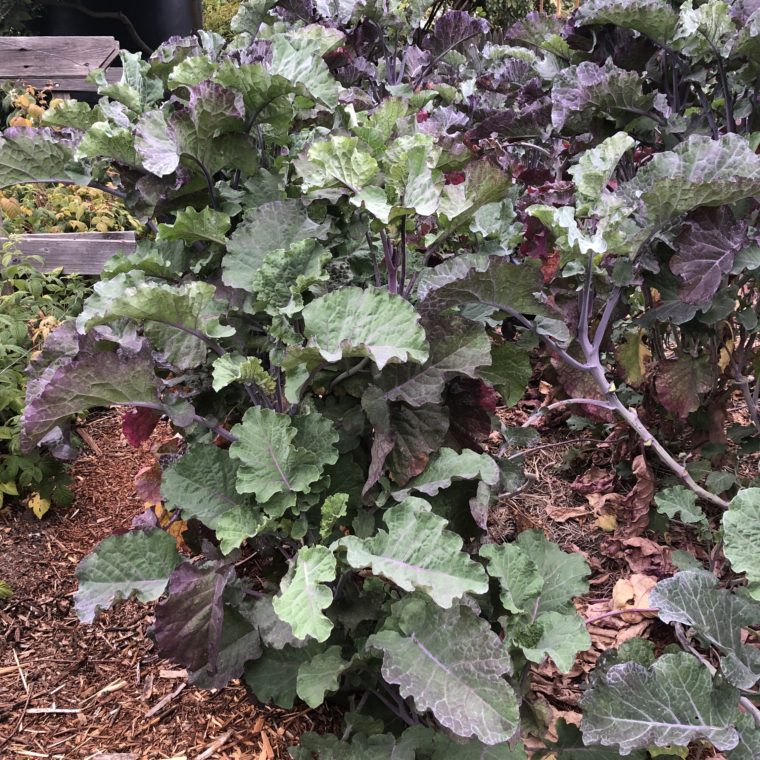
column 741, row 536
column 30, row 155
column 272, row 228
column 446, row 466
column 509, row 373
column 193, row 226
column 372, row 322
column 417, row 552
column 451, row 663
column 655, row 18
column 132, row 564
column 679, row 500
column 236, row 368
column 562, row 637
column 697, row 172
column 273, row 676
column 320, row 675
column 137, row 88
column 673, row 702
column 716, row 615
column 202, row 485
column 304, row 596
column 457, row 347
column 519, row 580
column 281, row 455
column 105, row 140
column 337, row 164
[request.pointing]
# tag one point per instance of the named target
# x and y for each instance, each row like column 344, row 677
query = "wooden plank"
column 76, row 252
column 67, row 84
column 54, row 56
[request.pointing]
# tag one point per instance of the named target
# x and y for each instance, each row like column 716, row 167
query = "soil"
column 72, row 691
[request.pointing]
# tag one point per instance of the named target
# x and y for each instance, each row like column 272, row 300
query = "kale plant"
column 349, row 201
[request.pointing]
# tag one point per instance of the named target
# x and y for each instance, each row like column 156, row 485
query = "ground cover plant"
column 371, row 225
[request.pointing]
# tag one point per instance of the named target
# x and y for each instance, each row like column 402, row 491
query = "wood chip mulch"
column 72, row 691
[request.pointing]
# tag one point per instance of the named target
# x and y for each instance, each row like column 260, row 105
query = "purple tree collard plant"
column 342, row 206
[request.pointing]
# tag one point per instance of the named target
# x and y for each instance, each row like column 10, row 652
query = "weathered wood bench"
column 75, row 252
column 60, row 64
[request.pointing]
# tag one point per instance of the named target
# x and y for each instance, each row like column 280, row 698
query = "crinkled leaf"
column 654, row 18
column 304, row 596
column 519, row 580
column 338, row 163
column 361, row 747
column 564, row 574
column 705, row 249
column 29, row 155
column 451, row 663
column 417, row 552
column 334, row 507
column 281, row 455
column 137, row 89
column 452, row 29
column 582, row 92
column 446, row 466
column 201, row 628
column 562, row 637
column 250, row 15
column 570, row 746
column 320, row 675
column 237, row 525
column 236, row 368
column 131, row 564
column 191, row 226
column 106, row 140
column 682, row 501
column 741, row 536
column 673, row 702
column 272, row 228
column 372, row 322
column 716, row 615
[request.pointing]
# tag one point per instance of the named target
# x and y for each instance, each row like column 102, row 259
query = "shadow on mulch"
column 75, row 691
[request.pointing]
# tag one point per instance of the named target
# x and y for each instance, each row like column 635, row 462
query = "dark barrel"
column 153, row 20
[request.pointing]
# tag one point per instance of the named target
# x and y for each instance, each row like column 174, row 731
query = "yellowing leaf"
column 9, row 488
column 607, row 523
column 633, row 356
column 38, row 505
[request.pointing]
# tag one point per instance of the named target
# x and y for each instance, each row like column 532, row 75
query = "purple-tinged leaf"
column 705, row 249
column 204, row 624
column 472, row 404
column 132, row 564
column 679, row 383
column 138, row 424
column 90, row 379
column 453, row 29
column 148, row 483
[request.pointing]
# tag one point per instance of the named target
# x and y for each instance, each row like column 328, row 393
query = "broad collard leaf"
column 320, row 675
column 453, row 29
column 236, row 368
column 681, row 502
column 30, row 155
column 748, row 747
column 201, row 624
column 90, row 379
column 192, row 226
column 697, row 172
column 519, row 579
column 446, row 466
column 274, row 675
column 502, row 286
column 281, row 455
column 717, row 616
column 133, row 564
column 654, row 18
column 564, row 574
column 354, row 322
column 417, row 552
column 202, row 485
column 361, row 747
column 106, row 140
column 570, row 746
column 706, row 31
column 271, row 229
column 673, row 702
column 303, row 595
column 741, row 533
column 339, row 166
column 595, row 169
column 585, row 91
column 137, row 88
column 191, row 308
column 705, row 249
column 457, row 347
column 562, row 637
column 509, row 373
column 451, row 663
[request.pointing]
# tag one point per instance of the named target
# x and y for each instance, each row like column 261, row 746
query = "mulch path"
column 72, row 691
